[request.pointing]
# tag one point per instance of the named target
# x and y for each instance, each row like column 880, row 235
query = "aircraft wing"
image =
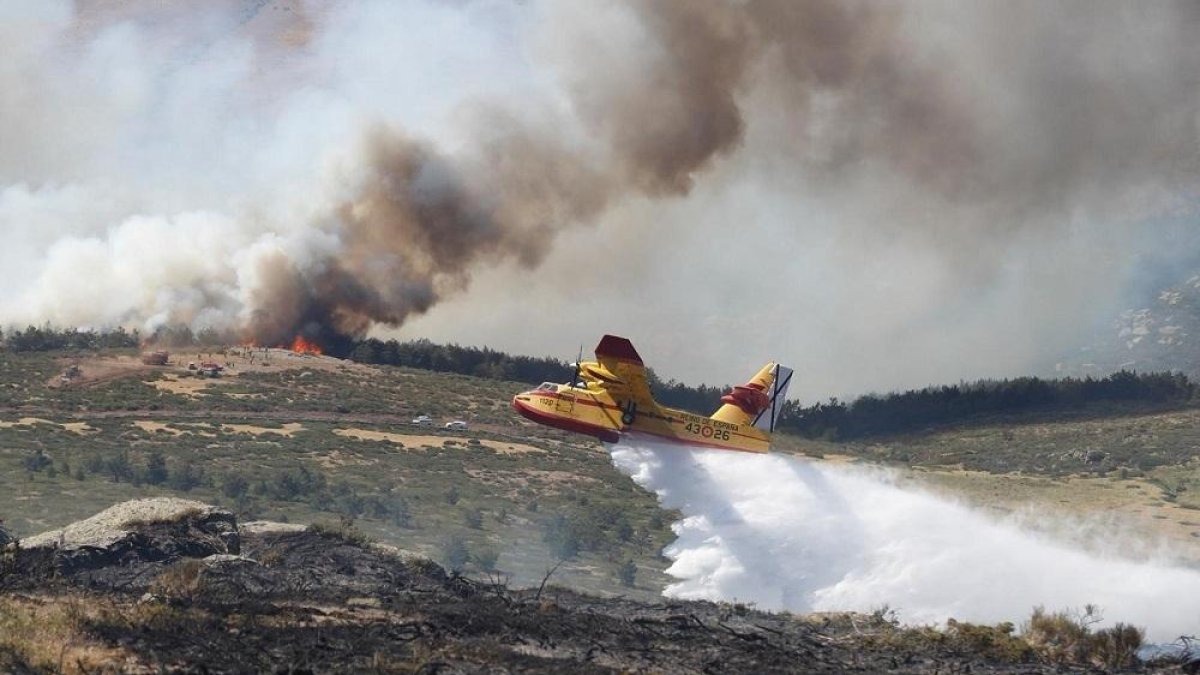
column 617, row 356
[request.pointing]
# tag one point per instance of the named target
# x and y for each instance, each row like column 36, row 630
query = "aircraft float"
column 610, row 396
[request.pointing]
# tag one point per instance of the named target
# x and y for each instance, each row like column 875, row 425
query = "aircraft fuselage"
column 599, row 414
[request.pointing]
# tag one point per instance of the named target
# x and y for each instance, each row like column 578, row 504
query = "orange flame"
column 302, row 346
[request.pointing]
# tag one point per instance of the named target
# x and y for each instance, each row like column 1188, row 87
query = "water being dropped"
column 785, row 533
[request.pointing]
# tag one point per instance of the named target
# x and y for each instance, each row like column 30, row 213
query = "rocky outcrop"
column 139, row 546
column 155, row 531
column 270, row 527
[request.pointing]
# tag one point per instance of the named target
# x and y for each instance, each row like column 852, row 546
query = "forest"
column 921, row 409
column 48, row 338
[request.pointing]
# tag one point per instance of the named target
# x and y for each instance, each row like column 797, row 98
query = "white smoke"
column 886, row 194
column 156, row 157
column 785, row 533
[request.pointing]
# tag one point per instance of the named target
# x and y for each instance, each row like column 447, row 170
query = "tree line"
column 47, row 338
column 915, row 410
column 869, row 415
column 480, row 362
column 489, row 363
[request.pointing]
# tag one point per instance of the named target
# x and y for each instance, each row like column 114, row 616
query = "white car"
column 456, row 425
column 423, row 420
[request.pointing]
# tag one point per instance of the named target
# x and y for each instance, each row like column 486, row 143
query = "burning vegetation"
column 302, row 346
column 298, row 344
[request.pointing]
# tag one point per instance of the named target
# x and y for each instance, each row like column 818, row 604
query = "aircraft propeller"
column 578, row 360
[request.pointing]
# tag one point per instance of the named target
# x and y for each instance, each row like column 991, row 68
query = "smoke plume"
column 927, row 181
column 415, row 227
column 787, row 534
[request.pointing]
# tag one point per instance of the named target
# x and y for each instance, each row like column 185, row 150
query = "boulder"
column 184, row 550
column 158, row 530
column 271, row 527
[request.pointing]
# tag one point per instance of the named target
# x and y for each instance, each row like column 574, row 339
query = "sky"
column 881, row 196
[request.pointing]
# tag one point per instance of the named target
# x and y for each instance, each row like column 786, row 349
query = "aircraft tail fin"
column 759, row 401
column 618, row 348
column 769, row 416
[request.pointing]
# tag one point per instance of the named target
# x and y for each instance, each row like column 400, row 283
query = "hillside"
column 308, row 438
column 179, row 586
column 1157, row 334
column 294, row 438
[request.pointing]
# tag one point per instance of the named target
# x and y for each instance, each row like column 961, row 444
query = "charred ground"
column 191, row 591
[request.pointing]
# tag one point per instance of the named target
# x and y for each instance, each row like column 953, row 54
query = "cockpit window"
column 548, row 386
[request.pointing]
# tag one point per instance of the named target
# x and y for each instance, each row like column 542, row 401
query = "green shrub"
column 156, row 469
column 1117, row 647
column 234, row 486
column 401, row 513
column 342, row 531
column 486, row 558
column 350, row 504
column 118, row 467
column 473, row 518
column 627, row 573
column 185, row 477
column 36, row 461
column 455, row 553
column 1064, row 637
column 1058, row 636
column 993, row 642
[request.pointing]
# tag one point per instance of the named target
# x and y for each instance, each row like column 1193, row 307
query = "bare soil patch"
column 176, row 428
column 81, row 428
column 150, row 426
column 417, row 441
column 337, row 458
column 178, row 379
column 287, row 430
column 97, row 369
column 25, row 422
column 193, row 387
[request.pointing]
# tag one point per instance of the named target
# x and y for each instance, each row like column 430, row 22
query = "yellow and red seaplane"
column 610, row 396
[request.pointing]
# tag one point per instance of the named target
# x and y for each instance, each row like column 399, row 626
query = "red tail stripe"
column 618, row 348
column 750, row 399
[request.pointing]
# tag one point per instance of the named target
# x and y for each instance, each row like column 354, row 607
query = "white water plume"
column 785, row 533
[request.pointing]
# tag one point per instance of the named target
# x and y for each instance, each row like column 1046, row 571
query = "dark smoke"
column 417, row 225
column 1036, row 110
column 987, row 120
column 680, row 109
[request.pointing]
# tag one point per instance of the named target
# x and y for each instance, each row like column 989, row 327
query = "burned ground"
column 185, row 596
